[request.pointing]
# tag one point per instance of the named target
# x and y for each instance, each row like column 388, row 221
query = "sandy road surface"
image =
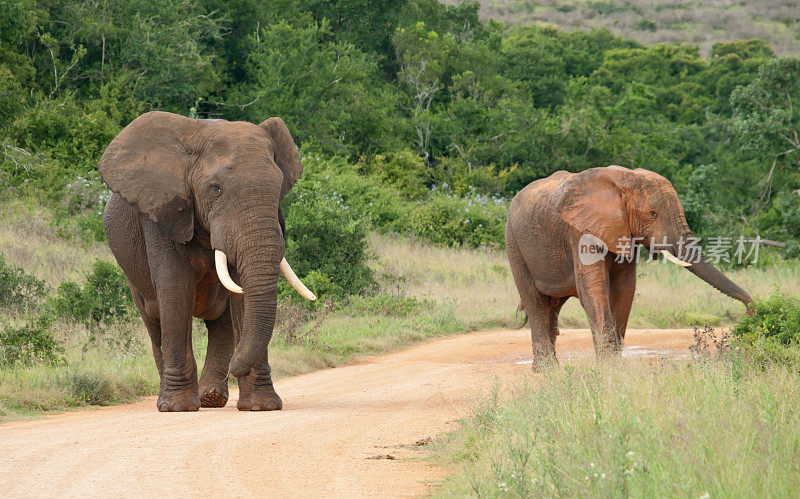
column 320, row 444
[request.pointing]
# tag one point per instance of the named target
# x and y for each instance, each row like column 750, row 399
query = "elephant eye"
column 216, row 190
column 654, row 213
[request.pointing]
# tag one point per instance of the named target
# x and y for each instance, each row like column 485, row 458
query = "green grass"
column 460, row 290
column 633, row 428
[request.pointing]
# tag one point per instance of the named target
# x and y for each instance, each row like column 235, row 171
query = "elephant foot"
column 214, row 396
column 178, row 401
column 260, row 400
column 256, row 392
column 606, row 349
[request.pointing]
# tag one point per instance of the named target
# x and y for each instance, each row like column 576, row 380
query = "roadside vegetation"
column 723, row 424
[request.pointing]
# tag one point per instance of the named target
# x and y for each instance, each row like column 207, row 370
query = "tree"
column 768, row 116
column 327, row 91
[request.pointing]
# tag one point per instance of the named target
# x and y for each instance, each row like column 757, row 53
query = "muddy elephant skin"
column 549, row 221
column 185, row 190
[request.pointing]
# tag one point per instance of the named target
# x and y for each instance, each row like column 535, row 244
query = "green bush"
column 403, row 169
column 80, row 210
column 451, row 220
column 18, row 288
column 74, row 135
column 776, row 319
column 327, row 244
column 104, row 297
column 23, row 170
column 365, row 196
column 30, row 343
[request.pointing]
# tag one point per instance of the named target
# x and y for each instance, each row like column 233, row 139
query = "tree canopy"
column 414, row 93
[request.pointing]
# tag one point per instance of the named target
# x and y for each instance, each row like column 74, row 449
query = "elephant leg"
column 594, row 289
column 537, row 307
column 256, row 392
column 214, row 379
column 175, row 292
column 623, row 288
column 556, row 304
column 542, row 315
column 178, row 391
column 153, row 325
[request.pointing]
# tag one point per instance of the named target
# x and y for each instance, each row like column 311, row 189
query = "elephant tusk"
column 221, row 262
column 674, row 259
column 295, row 281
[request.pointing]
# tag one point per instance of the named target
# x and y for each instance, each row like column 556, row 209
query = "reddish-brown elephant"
column 570, row 234
column 191, row 197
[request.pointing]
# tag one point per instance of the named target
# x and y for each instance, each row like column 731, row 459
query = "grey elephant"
column 196, row 207
column 572, row 234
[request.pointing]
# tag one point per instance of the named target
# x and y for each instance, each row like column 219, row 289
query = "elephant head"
column 219, row 182
column 617, row 204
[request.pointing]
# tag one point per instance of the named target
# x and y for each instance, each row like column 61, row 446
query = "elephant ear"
column 285, row 152
column 592, row 203
column 147, row 164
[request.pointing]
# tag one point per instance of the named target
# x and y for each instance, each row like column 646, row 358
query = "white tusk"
column 221, row 262
column 674, row 259
column 295, row 281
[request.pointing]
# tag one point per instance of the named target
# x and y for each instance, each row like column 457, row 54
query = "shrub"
column 89, row 387
column 30, row 343
column 104, row 297
column 771, row 336
column 18, row 288
column 24, row 170
column 74, row 136
column 327, row 245
column 366, row 197
column 80, row 210
column 775, row 319
column 451, row 220
column 404, row 169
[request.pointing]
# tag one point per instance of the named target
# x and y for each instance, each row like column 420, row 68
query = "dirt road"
column 325, row 441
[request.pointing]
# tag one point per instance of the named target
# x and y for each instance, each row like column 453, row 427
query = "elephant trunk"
column 703, row 269
column 709, row 273
column 258, row 267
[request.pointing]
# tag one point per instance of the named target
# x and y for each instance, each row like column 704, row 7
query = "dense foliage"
column 433, row 118
column 328, row 245
column 32, row 342
column 776, row 318
column 18, row 289
column 103, row 298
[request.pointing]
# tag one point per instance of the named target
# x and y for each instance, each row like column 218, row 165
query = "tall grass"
column 633, row 428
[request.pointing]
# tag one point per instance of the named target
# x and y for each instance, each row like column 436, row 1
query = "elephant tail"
column 522, row 309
